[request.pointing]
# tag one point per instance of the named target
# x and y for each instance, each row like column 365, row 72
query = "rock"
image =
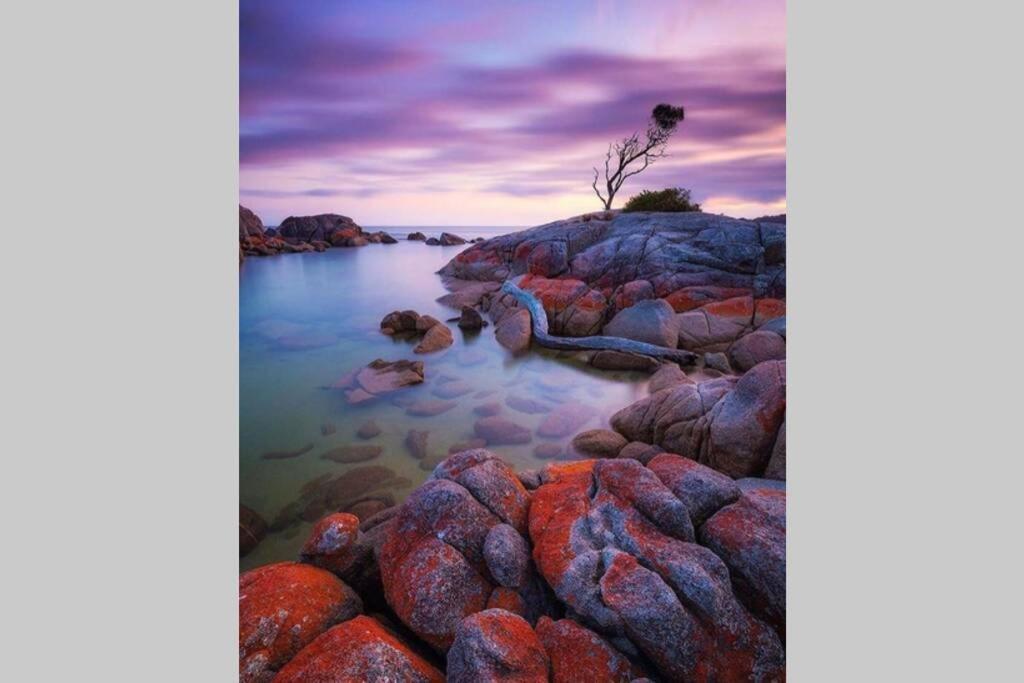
column 437, row 337
column 368, row 430
column 652, row 321
column 358, row 650
column 417, row 236
column 717, row 361
column 507, row 556
column 776, row 325
column 530, row 478
column 430, row 583
column 350, row 454
column 499, row 431
column 565, row 420
column 573, row 308
column 287, row 455
column 380, row 377
column 776, row 468
column 632, row 293
column 429, row 407
column 251, row 530
column 757, row 347
column 281, row 608
column 618, row 548
column 638, row 450
column 727, row 424
column 331, row 541
column 472, row 444
column 667, row 375
column 397, row 322
column 487, row 409
column 579, row 654
column 513, row 331
column 527, row 405
column 328, row 428
column 702, row 490
column 618, row 360
column 470, row 319
column 425, row 322
column 449, row 240
column 496, row 645
column 322, row 227
column 750, row 536
column 453, row 389
column 329, row 493
column 599, row 443
column 466, row 293
column 432, row 241
column 548, row 451
column 416, row 442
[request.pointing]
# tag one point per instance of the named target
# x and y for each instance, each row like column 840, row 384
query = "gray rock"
column 757, row 347
column 652, row 321
column 717, row 361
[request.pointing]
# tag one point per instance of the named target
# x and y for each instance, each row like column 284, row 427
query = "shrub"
column 670, row 199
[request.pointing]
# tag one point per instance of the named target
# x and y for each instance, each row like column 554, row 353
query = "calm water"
column 307, row 319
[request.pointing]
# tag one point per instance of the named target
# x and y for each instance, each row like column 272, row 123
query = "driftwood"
column 597, row 343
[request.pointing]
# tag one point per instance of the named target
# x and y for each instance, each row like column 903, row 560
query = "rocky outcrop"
column 596, row 570
column 618, row 546
column 586, row 269
column 729, row 424
column 298, row 234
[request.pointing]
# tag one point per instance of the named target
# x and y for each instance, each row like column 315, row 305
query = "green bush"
column 669, row 199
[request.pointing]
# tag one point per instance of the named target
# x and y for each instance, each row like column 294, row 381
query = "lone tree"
column 631, row 155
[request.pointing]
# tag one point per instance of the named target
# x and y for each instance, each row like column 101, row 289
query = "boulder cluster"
column 595, row 570
column 298, row 234
column 435, row 334
column 700, row 282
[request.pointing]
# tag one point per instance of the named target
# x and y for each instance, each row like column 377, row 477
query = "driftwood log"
column 597, row 343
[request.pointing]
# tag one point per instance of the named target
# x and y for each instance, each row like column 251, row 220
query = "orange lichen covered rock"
column 331, row 541
column 356, row 651
column 281, row 608
column 496, row 645
column 578, row 654
column 437, row 566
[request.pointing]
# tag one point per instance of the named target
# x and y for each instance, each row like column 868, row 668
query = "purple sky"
column 493, row 113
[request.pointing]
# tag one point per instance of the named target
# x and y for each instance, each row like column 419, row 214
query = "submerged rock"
column 378, row 378
column 416, row 442
column 565, row 420
column 368, row 430
column 350, row 454
column 429, row 407
column 498, row 431
column 287, row 455
column 251, row 530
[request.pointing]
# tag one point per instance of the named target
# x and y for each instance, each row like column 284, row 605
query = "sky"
column 494, row 113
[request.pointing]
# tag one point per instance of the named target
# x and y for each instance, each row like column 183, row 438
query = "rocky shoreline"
column 658, row 553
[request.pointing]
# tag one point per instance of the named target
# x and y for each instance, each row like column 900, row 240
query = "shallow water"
column 307, row 319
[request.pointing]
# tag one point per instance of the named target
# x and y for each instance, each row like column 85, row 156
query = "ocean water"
column 307, row 319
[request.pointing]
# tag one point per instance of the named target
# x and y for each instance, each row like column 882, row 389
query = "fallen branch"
column 597, row 343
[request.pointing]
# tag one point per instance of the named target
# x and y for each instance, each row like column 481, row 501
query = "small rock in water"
column 499, row 431
column 547, row 451
column 470, row 319
column 285, row 455
column 368, row 430
column 437, row 337
column 487, row 409
column 429, row 407
column 328, row 428
column 450, row 240
column 416, row 442
column 599, row 443
column 484, row 393
column 350, row 454
column 417, row 237
column 452, row 389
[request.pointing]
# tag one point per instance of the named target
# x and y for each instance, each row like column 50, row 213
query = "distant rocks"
column 447, row 239
column 417, row 237
column 298, row 234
